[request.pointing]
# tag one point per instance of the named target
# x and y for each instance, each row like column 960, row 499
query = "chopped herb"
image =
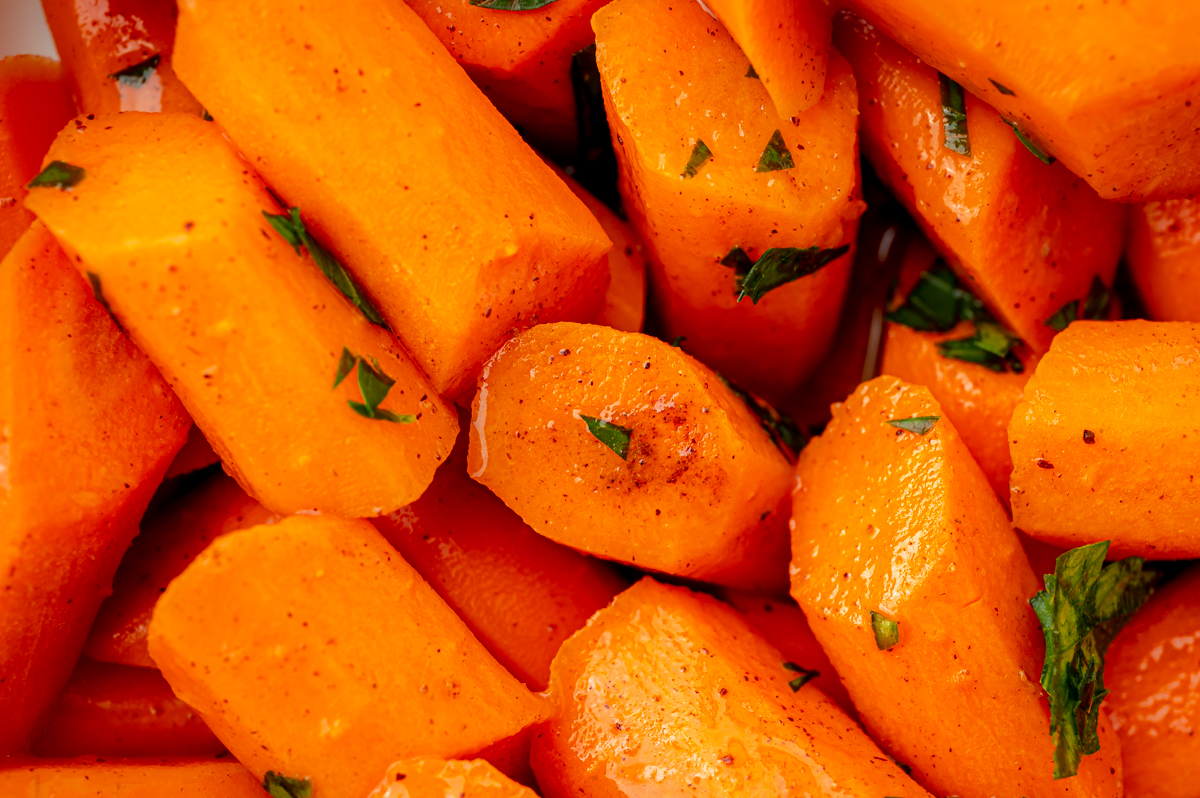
column 345, row 366
column 611, row 435
column 291, row 228
column 206, row 116
column 1084, row 606
column 739, row 261
column 511, row 5
column 783, row 430
column 700, row 154
column 804, row 678
column 374, row 386
column 918, row 424
column 954, row 116
column 1037, row 151
column 887, row 631
column 750, row 73
column 677, row 340
column 280, row 786
column 1095, row 307
column 776, row 156
column 991, row 347
column 936, row 303
column 94, row 280
column 137, row 75
column 777, row 266
column 1003, row 89
column 58, row 174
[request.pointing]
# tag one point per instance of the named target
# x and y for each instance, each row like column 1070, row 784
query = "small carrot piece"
column 88, row 777
column 427, row 777
column 1164, row 258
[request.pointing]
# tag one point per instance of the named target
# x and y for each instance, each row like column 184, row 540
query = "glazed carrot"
column 169, row 540
column 1105, row 444
column 712, row 175
column 669, row 692
column 87, row 429
column 1155, row 700
column 1027, row 237
column 1164, row 258
column 787, row 44
column 469, row 236
column 1120, row 110
column 426, row 777
column 347, row 659
column 258, row 345
column 197, row 453
column 519, row 593
column 895, row 526
column 117, row 55
column 119, row 710
column 34, row 105
column 87, row 777
column 622, row 446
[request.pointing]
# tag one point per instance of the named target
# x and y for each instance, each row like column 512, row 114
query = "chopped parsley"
column 991, row 347
column 1003, row 89
column 511, row 5
column 280, row 786
column 775, row 267
column 614, row 436
column 776, row 156
column 804, row 678
column 954, row 116
column 98, row 292
column 784, row 432
column 750, row 73
column 1037, row 151
column 887, row 631
column 206, row 116
column 1085, row 604
column 58, row 174
column 677, row 340
column 917, row 424
column 137, row 75
column 1094, row 308
column 700, row 154
column 374, row 386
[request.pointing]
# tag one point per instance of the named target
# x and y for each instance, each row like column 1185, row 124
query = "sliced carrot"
column 196, row 454
column 1164, row 258
column 87, row 777
column 426, row 777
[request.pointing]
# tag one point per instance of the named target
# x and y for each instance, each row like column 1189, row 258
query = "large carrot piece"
column 34, row 105
column 671, row 693
column 117, row 55
column 891, row 525
column 1164, row 258
column 347, row 660
column 1026, row 236
column 87, row 429
column 427, row 777
column 623, row 446
column 88, row 777
column 1106, row 444
column 1110, row 89
column 258, row 345
column 358, row 115
column 722, row 188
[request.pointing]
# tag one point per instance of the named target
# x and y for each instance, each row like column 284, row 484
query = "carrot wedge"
column 1164, row 258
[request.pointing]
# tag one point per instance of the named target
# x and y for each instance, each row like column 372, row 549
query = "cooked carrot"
column 1155, row 700
column 260, row 347
column 1164, row 258
column 896, row 526
column 169, row 540
column 712, row 175
column 87, row 429
column 1028, row 237
column 120, row 710
column 426, row 777
column 34, row 105
column 622, row 446
column 356, row 114
column 88, row 777
column 669, row 692
column 520, row 594
column 347, row 660
column 196, row 454
column 1106, row 443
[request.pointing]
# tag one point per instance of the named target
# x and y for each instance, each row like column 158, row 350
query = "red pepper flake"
column 727, row 759
column 1044, row 464
column 1089, row 436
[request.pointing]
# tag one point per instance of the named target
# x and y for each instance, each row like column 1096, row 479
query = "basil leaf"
column 1037, row 151
column 700, row 154
column 206, row 116
column 738, row 260
column 279, row 786
column 283, row 225
column 511, row 5
column 994, row 339
column 776, row 156
column 137, row 75
column 750, row 73
column 611, row 435
column 887, row 631
column 58, row 174
column 1085, row 604
column 397, row 418
column 917, row 424
column 1003, row 89
column 345, row 366
column 677, row 340
column 373, row 384
column 1095, row 307
column 784, row 432
column 781, row 265
column 804, row 678
column 954, row 116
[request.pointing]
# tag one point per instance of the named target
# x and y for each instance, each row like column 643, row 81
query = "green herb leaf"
column 783, row 430
column 1095, row 307
column 374, row 386
column 58, row 174
column 954, row 116
column 677, row 340
column 739, row 261
column 1037, row 151
column 887, row 631
column 345, row 366
column 611, row 435
column 1084, row 605
column 397, row 418
column 781, row 265
column 206, row 116
column 936, row 303
column 511, row 5
column 1003, row 89
column 283, row 225
column 804, row 678
column 750, row 73
column 776, row 156
column 991, row 346
column 279, row 786
column 137, row 75
column 918, row 424
column 700, row 154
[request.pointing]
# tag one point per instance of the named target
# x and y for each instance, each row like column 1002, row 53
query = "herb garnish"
column 136, row 76
column 954, row 116
column 804, row 678
column 374, row 385
column 1084, row 605
column 783, row 430
column 918, row 424
column 206, row 116
column 750, row 73
column 887, row 631
column 98, row 292
column 1037, row 151
column 776, row 156
column 776, row 266
column 511, row 5
column 291, row 228
column 1003, row 89
column 280, row 786
column 991, row 347
column 58, row 174
column 611, row 435
column 700, row 154
column 1095, row 307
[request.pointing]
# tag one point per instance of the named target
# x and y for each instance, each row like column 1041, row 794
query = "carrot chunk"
column 87, row 777
column 426, row 777
column 1164, row 258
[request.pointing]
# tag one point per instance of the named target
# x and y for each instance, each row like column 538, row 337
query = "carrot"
column 117, row 55
column 169, row 540
column 1106, row 441
column 196, row 454
column 259, row 346
column 87, row 777
column 119, row 710
column 467, row 237
column 34, row 105
column 1164, row 258
column 669, row 692
column 347, row 660
column 720, row 188
column 787, row 44
column 426, row 777
column 622, row 446
column 519, row 593
column 87, row 429
column 898, row 525
column 1155, row 701
column 1127, row 122
column 1027, row 237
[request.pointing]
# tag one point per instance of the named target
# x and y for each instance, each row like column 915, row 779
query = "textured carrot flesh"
column 87, row 777
column 1164, row 258
column 428, row 777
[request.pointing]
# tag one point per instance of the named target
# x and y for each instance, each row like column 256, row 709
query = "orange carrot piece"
column 87, row 429
column 249, row 334
column 358, row 115
column 169, row 540
column 691, row 218
column 88, row 777
column 196, row 454
column 893, row 522
column 34, row 105
column 1106, row 444
column 426, row 777
column 1164, row 258
column 692, row 455
column 671, row 693
column 347, row 659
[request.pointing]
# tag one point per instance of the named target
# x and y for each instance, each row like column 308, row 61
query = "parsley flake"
column 374, row 386
column 750, row 73
column 991, row 347
column 887, row 631
column 613, row 436
column 917, row 424
column 784, row 432
column 776, row 156
column 1095, row 307
column 804, row 678
column 136, row 76
column 776, row 266
column 1037, row 151
column 511, row 5
column 700, row 154
column 58, row 174
column 1003, row 89
column 954, row 116
column 279, row 786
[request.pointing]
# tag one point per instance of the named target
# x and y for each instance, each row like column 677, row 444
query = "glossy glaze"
column 1164, row 258
column 85, row 777
column 426, row 777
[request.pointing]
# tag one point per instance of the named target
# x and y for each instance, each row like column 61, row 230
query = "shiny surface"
column 129, row 778
column 425, row 777
column 1164, row 258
